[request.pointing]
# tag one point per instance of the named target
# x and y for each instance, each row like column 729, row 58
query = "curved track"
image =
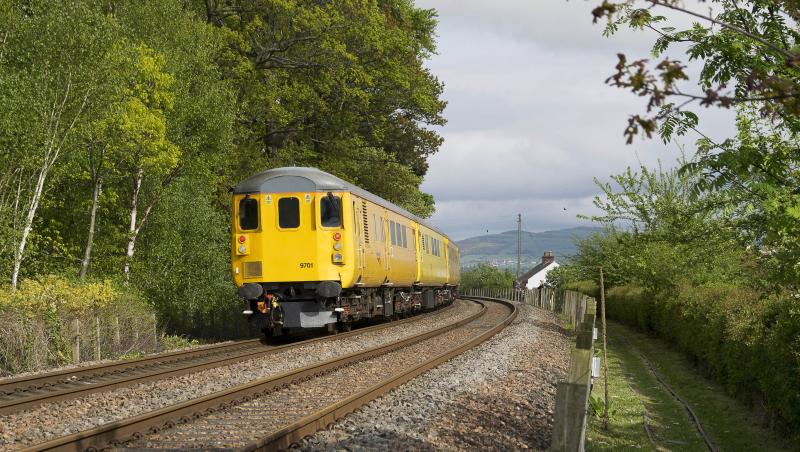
column 275, row 411
column 25, row 392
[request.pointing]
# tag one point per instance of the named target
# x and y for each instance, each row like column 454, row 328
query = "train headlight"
column 337, row 246
column 241, row 239
column 242, row 249
column 337, row 236
column 337, row 258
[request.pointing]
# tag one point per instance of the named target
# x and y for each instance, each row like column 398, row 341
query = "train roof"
column 297, row 179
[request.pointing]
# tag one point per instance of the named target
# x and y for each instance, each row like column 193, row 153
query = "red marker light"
column 337, row 236
column 241, row 239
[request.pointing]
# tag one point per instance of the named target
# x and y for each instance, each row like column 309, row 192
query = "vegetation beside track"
column 39, row 322
column 704, row 253
column 645, row 416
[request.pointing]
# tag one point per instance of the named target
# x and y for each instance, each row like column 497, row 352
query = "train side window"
column 330, row 211
column 383, row 232
column 405, row 242
column 391, row 232
column 248, row 214
column 289, row 213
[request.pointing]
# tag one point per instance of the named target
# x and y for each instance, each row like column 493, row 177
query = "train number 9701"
column 306, row 265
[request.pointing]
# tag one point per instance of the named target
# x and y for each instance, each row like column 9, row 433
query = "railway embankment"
column 475, row 375
column 497, row 396
column 50, row 420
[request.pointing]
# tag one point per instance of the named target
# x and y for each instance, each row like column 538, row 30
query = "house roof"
column 530, row 273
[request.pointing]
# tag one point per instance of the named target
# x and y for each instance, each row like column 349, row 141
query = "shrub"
column 40, row 320
column 748, row 342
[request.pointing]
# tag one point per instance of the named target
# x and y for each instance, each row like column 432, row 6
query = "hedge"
column 748, row 342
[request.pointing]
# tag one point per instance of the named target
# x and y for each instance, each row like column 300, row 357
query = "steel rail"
column 115, row 433
column 310, row 424
column 152, row 368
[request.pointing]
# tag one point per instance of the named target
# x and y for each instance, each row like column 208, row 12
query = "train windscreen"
column 330, row 211
column 248, row 214
column 289, row 213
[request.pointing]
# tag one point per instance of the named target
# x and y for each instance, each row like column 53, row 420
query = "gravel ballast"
column 252, row 420
column 62, row 418
column 497, row 396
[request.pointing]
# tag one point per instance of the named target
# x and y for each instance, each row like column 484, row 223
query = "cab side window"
column 289, row 213
column 248, row 214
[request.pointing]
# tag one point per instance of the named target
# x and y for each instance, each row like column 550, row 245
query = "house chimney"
column 547, row 257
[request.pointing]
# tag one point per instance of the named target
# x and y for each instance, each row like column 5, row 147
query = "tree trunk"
column 133, row 230
column 26, row 230
column 87, row 255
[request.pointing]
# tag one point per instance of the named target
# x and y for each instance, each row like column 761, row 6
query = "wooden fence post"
column 572, row 395
column 605, row 354
column 117, row 338
column 97, row 338
column 155, row 333
column 76, row 343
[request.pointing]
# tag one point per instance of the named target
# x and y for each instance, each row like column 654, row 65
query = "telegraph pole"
column 519, row 242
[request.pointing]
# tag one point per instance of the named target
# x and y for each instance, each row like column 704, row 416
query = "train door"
column 388, row 249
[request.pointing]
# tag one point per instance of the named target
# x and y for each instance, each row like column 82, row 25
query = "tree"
column 332, row 82
column 148, row 151
column 486, row 276
column 750, row 52
column 44, row 107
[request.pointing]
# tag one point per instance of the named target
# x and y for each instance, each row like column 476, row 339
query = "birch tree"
column 151, row 157
column 44, row 106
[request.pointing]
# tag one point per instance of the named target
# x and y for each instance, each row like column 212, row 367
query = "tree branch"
column 789, row 56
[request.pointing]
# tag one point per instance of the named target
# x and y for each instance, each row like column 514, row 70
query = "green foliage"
column 742, row 339
column 165, row 104
column 709, row 257
column 172, row 342
column 748, row 52
column 658, row 230
column 484, row 276
column 38, row 322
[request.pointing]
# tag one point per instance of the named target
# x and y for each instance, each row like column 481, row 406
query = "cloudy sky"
column 530, row 120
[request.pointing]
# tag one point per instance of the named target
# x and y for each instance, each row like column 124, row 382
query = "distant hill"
column 501, row 249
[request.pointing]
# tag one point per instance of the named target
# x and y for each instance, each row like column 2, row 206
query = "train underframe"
column 282, row 308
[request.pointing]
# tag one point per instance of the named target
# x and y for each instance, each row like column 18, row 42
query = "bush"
column 586, row 287
column 749, row 343
column 40, row 319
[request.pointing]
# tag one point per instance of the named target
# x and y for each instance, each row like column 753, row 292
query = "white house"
column 535, row 277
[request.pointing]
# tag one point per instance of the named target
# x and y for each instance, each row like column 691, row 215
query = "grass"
column 637, row 397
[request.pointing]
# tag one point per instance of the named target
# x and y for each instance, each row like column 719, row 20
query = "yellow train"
column 310, row 250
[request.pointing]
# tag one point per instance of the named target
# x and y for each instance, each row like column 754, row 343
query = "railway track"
column 275, row 411
column 29, row 391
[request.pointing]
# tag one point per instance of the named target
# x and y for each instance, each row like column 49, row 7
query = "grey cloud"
column 530, row 120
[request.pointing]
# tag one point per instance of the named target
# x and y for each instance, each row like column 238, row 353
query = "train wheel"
column 345, row 326
column 273, row 333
